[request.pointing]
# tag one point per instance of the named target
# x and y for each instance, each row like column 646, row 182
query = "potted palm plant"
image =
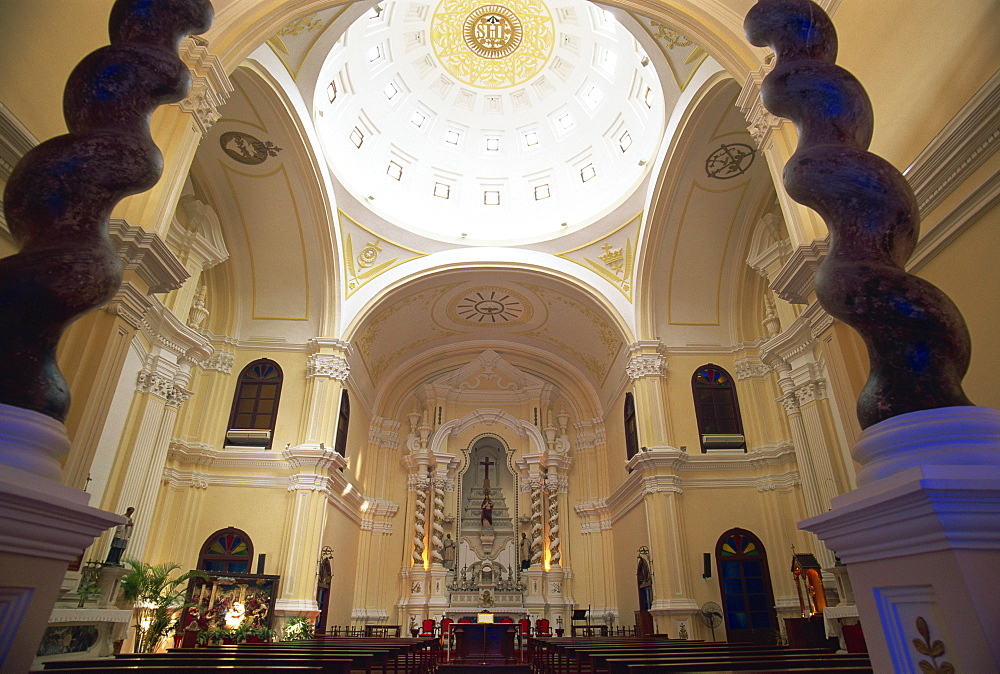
column 156, row 593
column 298, row 627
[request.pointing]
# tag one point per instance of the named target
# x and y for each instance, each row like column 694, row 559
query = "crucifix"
column 486, row 476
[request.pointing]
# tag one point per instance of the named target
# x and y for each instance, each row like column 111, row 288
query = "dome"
column 493, row 124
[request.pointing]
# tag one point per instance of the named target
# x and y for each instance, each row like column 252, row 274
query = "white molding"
column 965, row 142
column 147, row 254
column 961, row 217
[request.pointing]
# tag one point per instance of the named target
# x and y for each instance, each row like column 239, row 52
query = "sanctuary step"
column 484, row 669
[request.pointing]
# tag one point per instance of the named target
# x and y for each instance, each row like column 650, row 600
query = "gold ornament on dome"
column 492, row 46
column 493, row 32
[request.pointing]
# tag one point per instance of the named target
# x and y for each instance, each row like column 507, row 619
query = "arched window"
column 227, row 550
column 747, row 597
column 631, row 434
column 343, row 421
column 717, row 409
column 255, row 405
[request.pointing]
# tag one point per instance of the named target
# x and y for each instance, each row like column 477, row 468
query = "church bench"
column 595, row 660
column 191, row 669
column 741, row 662
column 184, row 663
column 379, row 654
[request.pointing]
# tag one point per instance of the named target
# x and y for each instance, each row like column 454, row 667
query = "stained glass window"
column 745, row 582
column 255, row 405
column 717, row 409
column 227, row 550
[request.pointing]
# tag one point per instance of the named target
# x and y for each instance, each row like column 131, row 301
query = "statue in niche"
column 487, row 510
column 448, row 553
column 525, row 548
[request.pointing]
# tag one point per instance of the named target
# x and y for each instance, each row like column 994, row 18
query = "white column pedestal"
column 921, row 539
column 43, row 526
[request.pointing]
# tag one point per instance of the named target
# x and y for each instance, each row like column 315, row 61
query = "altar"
column 484, row 643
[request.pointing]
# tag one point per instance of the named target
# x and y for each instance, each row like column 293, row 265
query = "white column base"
column 922, row 545
column 43, row 526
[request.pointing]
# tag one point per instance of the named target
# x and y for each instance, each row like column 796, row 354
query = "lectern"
column 484, row 643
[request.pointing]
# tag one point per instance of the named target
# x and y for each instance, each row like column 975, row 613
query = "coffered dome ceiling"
column 489, row 124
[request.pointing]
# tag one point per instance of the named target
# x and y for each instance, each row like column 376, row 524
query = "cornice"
column 148, row 255
column 795, row 340
column 210, row 84
column 163, row 328
column 795, row 281
column 15, row 141
column 965, row 142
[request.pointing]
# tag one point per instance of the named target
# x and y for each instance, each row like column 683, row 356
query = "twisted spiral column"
column 60, row 194
column 419, row 520
column 917, row 341
column 554, row 554
column 536, row 524
column 437, row 529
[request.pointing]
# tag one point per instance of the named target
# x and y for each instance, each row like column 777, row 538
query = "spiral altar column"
column 919, row 533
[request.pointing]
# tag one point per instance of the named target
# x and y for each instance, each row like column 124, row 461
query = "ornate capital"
column 761, row 123
column 750, row 366
column 210, row 86
column 327, row 365
column 220, row 361
column 646, row 359
column 790, row 401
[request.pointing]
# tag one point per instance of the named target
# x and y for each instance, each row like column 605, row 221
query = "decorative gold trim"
column 615, row 265
column 516, row 47
column 361, row 268
column 933, row 650
column 671, row 37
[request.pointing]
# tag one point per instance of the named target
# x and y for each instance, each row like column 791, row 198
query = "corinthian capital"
column 646, row 360
column 327, row 365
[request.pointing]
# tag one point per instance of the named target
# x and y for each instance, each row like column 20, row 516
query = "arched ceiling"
column 423, row 322
column 311, row 257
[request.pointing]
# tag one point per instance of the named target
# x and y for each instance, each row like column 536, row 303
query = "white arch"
column 492, row 417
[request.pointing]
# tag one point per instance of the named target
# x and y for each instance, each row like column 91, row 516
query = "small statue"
column 123, row 532
column 448, row 553
column 525, row 549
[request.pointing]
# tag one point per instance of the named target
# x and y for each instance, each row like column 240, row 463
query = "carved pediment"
column 489, row 373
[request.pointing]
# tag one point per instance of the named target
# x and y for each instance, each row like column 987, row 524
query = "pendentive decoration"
column 917, row 342
column 60, row 194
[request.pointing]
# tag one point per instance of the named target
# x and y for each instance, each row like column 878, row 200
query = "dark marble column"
column 917, row 340
column 61, row 193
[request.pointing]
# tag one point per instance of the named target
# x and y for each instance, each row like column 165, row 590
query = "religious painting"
column 222, row 600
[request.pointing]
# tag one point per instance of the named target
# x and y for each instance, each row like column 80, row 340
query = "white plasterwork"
column 327, row 365
column 488, row 417
column 210, row 84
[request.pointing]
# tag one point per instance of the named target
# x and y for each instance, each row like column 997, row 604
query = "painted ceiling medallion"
column 493, row 32
column 489, row 305
column 246, row 149
column 492, row 46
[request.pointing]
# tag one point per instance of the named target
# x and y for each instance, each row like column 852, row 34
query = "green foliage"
column 87, row 590
column 298, row 627
column 157, row 593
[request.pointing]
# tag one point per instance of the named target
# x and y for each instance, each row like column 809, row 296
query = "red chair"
column 523, row 632
column 542, row 628
column 446, row 626
column 427, row 629
column 465, row 620
column 506, row 620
